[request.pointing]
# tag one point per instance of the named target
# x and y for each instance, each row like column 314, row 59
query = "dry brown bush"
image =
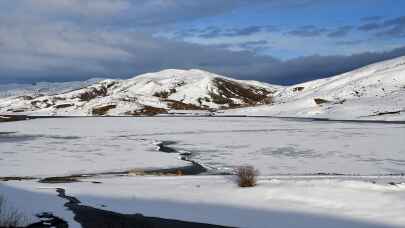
column 246, row 176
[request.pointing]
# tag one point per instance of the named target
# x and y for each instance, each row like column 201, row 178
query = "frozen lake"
column 51, row 147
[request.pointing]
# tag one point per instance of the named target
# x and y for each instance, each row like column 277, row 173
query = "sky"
column 276, row 41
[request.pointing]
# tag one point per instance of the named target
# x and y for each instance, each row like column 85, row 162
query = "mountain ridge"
column 376, row 91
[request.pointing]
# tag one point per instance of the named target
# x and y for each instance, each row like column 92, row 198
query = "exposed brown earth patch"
column 250, row 95
column 320, row 101
column 101, row 111
column 178, row 105
column 147, row 111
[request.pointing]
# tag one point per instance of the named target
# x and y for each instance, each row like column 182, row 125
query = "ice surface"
column 55, row 147
column 51, row 147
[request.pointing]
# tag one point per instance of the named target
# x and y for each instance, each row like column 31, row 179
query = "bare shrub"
column 246, row 176
column 10, row 217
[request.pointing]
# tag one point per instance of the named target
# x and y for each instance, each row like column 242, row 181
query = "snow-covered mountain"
column 147, row 94
column 44, row 88
column 376, row 91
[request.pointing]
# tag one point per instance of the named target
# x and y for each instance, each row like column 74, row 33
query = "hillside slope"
column 147, row 94
column 376, row 91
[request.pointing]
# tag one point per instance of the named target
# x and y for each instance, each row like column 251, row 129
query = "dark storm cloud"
column 76, row 39
column 315, row 67
column 340, row 32
column 308, row 31
column 79, row 39
column 82, row 55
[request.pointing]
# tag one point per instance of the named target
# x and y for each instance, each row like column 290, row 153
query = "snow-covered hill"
column 147, row 94
column 376, row 91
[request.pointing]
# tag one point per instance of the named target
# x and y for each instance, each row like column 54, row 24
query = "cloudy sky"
column 278, row 41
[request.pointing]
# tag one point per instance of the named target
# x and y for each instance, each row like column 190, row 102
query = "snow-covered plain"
column 286, row 152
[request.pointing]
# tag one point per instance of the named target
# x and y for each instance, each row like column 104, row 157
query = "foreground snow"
column 275, row 202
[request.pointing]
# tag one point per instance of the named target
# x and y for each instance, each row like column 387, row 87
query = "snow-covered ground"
column 91, row 145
